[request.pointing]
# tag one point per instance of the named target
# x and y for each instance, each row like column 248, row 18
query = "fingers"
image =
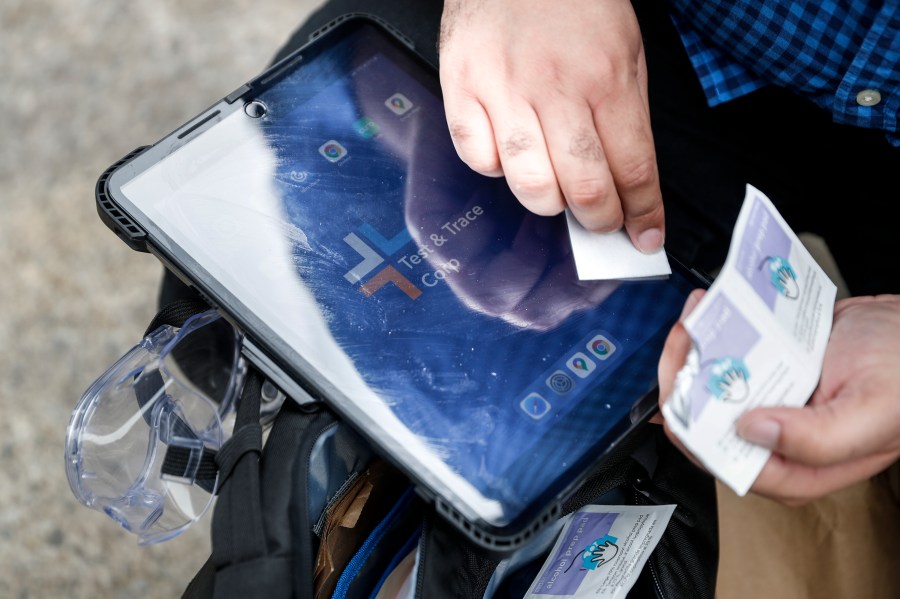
column 850, row 429
column 524, row 156
column 675, row 352
column 580, row 165
column 676, row 348
column 623, row 123
column 471, row 132
column 567, row 124
column 827, row 445
column 500, row 134
column 557, row 152
column 824, row 434
column 557, row 156
column 468, row 122
column 796, row 484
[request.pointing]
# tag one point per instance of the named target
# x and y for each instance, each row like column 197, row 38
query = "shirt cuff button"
column 868, row 97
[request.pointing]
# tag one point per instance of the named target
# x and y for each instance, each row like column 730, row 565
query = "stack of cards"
column 759, row 338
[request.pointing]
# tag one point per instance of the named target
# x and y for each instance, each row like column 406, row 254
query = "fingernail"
column 763, row 432
column 650, row 241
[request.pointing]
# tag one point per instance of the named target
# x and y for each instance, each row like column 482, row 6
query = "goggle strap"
column 179, row 461
column 146, row 387
column 176, row 313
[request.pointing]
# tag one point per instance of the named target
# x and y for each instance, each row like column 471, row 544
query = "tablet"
column 323, row 209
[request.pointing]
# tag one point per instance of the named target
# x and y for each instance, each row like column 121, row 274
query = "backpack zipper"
column 359, row 558
column 659, row 589
column 420, row 559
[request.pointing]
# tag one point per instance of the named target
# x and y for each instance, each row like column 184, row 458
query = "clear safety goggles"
column 141, row 442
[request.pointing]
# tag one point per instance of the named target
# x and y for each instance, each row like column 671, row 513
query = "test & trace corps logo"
column 422, row 258
column 372, row 259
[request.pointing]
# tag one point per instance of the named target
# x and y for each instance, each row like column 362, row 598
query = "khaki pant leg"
column 843, row 545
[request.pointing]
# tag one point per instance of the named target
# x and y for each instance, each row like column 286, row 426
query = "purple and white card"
column 759, row 338
column 601, row 551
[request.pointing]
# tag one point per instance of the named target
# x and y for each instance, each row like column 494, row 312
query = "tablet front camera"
column 255, row 109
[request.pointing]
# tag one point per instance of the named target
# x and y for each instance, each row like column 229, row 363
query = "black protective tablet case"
column 264, row 350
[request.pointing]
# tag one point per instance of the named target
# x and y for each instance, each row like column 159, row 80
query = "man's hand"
column 553, row 95
column 849, row 430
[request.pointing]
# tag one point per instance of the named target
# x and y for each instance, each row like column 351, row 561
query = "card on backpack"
column 601, row 551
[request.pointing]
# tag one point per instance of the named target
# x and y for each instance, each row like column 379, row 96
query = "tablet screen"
column 429, row 307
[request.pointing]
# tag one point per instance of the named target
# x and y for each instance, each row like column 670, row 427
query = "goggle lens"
column 141, row 439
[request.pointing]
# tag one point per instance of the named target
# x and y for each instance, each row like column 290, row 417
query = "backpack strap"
column 262, row 539
column 240, row 565
column 203, row 584
column 263, row 544
column 238, row 534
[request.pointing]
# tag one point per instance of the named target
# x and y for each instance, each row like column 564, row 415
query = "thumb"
column 676, row 348
column 819, row 435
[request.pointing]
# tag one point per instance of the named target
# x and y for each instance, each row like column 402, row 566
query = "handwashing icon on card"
column 601, row 551
column 782, row 276
column 728, row 380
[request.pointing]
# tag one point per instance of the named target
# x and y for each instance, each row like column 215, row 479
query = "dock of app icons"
column 575, row 368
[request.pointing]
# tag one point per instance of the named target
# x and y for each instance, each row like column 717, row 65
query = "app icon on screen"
column 366, row 127
column 398, row 104
column 580, row 364
column 601, row 347
column 535, row 406
column 299, row 176
column 332, row 150
column 560, row 382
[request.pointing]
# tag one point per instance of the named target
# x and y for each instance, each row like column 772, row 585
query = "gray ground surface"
column 77, row 91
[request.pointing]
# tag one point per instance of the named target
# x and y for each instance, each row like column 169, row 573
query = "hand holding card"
column 850, row 430
column 758, row 339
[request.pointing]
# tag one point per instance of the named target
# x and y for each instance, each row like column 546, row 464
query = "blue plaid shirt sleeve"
column 836, row 53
